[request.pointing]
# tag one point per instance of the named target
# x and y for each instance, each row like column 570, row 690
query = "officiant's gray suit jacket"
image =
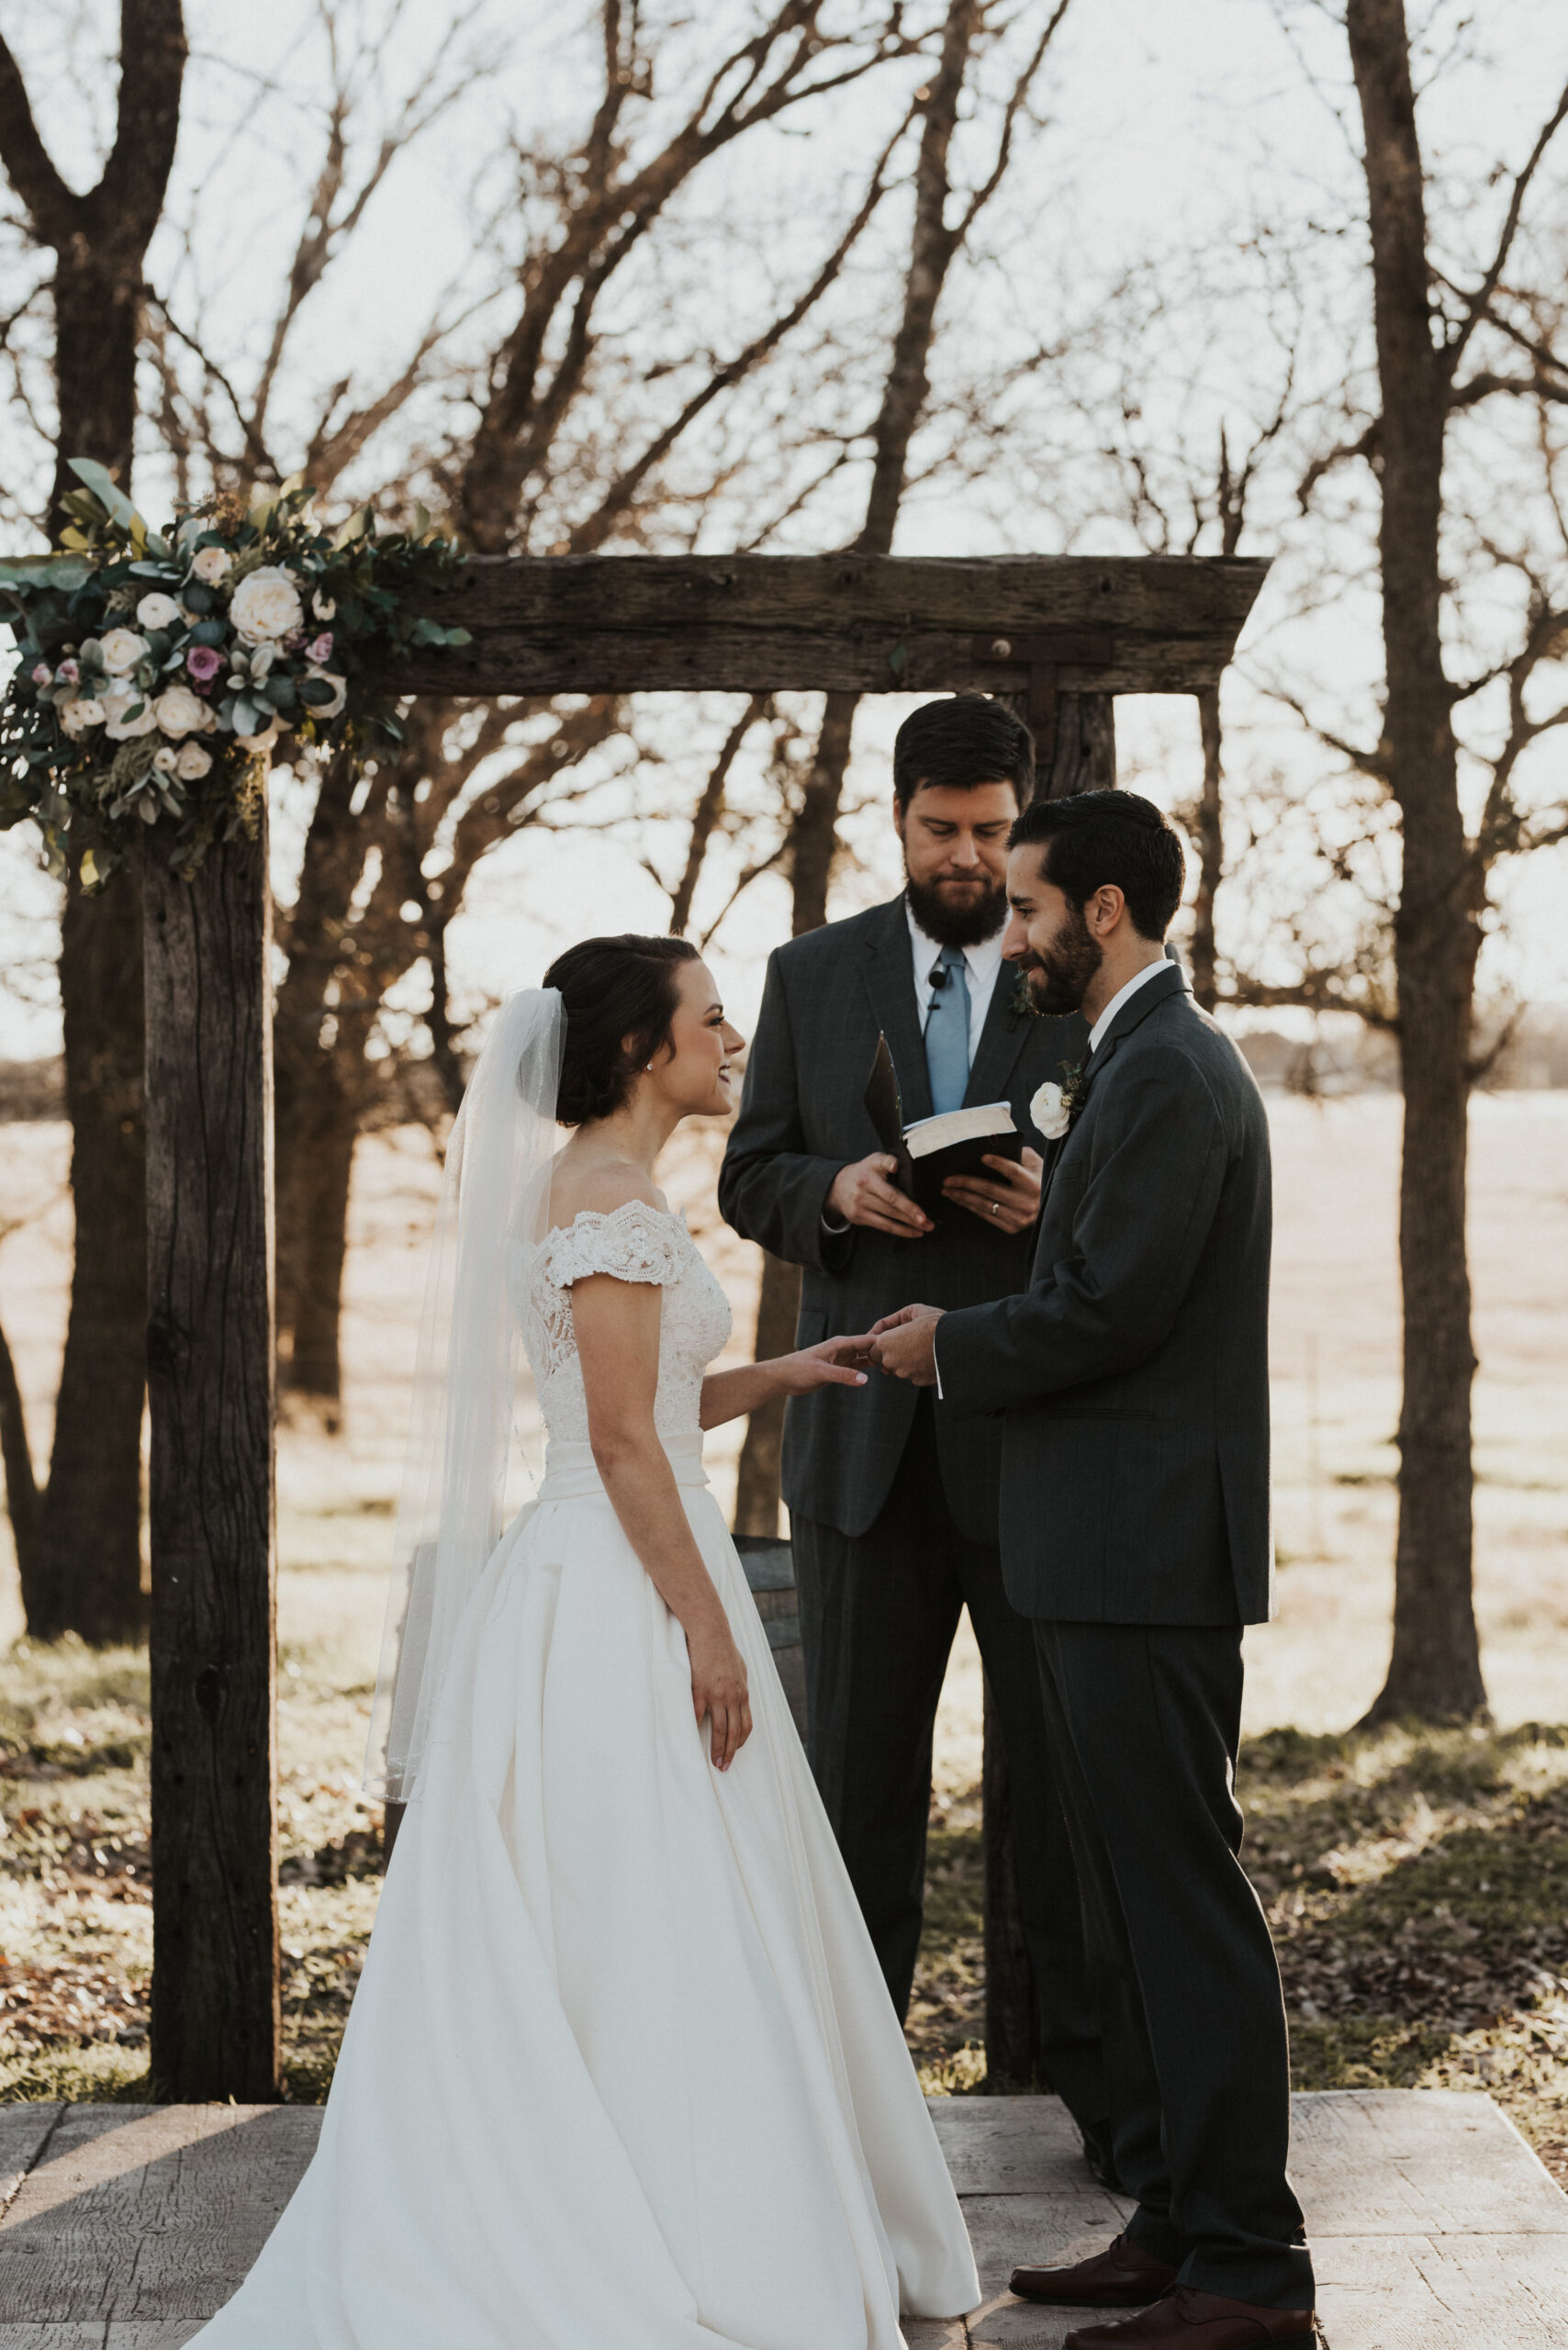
column 1132, row 1373
column 802, row 1117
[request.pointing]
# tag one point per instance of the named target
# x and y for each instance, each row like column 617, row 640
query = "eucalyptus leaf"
column 108, row 493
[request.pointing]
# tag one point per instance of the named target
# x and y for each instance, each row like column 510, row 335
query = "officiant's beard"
column 963, row 918
column 1059, row 977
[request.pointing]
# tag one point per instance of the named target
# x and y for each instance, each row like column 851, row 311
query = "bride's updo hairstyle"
column 620, row 996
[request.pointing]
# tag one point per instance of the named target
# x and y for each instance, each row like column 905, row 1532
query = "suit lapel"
column 1171, row 981
column 890, row 982
column 1002, row 1041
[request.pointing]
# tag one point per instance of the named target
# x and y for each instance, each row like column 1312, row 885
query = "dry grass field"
column 1418, row 1883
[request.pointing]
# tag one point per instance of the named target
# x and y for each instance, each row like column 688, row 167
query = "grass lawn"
column 1416, row 1884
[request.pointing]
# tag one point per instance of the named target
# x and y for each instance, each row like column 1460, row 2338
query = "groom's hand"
column 1011, row 1202
column 904, row 1344
column 862, row 1194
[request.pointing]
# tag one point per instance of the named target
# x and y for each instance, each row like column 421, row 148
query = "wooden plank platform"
column 1434, row 2227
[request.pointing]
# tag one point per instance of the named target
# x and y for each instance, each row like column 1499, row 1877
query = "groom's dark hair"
column 620, row 996
column 961, row 741
column 1091, row 838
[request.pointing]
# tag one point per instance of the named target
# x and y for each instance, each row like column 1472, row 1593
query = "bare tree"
column 812, row 839
column 79, row 1541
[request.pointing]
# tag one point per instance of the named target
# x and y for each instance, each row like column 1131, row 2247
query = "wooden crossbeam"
column 630, row 623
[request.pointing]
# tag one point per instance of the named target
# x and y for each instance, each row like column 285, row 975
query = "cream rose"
column 165, row 759
column 192, row 762
column 157, row 611
column 265, row 606
column 340, row 693
column 179, row 712
column 1050, row 1113
column 78, row 715
column 118, row 726
column 209, row 564
column 120, row 650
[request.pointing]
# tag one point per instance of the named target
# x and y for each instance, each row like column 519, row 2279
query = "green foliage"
column 157, row 668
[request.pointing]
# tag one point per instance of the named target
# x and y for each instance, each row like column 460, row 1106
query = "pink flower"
column 204, row 662
column 69, row 672
column 322, row 648
column 43, row 675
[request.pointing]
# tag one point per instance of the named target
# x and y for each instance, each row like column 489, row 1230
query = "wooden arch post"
column 1066, row 632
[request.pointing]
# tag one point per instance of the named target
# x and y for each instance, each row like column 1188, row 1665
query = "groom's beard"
column 958, row 918
column 1059, row 978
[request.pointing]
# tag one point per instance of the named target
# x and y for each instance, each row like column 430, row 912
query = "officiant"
column 892, row 1508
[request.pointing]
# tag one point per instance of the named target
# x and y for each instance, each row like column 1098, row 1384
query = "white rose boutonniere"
column 265, row 606
column 1050, row 1113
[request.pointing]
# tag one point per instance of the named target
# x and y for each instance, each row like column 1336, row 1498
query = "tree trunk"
column 215, row 1994
column 1211, row 852
column 316, row 1365
column 86, row 1574
column 1083, row 756
column 1435, row 1670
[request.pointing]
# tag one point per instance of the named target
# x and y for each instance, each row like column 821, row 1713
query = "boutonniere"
column 1055, row 1108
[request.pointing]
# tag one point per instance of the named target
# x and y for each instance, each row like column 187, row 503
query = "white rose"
column 179, row 712
column 192, row 762
column 157, row 611
column 165, row 758
column 209, row 564
column 117, row 727
column 340, row 693
column 78, row 715
column 120, row 650
column 1050, row 1113
column 265, row 606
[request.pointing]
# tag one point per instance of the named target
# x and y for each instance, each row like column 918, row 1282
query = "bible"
column 954, row 1143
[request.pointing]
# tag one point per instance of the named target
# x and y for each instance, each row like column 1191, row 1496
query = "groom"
column 892, row 1512
column 1131, row 1377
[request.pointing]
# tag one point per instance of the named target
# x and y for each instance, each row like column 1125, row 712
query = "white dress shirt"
column 981, row 965
column 1139, row 980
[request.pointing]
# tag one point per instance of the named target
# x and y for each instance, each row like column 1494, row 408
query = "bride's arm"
column 617, row 1328
column 835, row 1362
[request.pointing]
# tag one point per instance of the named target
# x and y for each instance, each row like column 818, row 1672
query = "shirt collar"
column 984, row 961
column 1139, row 980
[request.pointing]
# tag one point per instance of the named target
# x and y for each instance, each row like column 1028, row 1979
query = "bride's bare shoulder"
column 601, row 1190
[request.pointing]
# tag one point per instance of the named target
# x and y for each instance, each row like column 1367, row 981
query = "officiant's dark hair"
column 961, row 741
column 1091, row 838
column 620, row 996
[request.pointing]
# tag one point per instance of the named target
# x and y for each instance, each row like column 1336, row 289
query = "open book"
column 929, row 1150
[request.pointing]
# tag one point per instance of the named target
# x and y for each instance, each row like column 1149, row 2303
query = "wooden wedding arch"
column 1062, row 635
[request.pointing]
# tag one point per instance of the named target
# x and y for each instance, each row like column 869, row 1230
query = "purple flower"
column 42, row 674
column 69, row 672
column 204, row 662
column 322, row 648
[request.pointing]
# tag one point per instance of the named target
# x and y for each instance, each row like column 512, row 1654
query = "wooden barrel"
column 769, row 1566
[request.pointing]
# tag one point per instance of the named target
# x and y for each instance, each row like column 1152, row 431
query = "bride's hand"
column 832, row 1362
column 719, row 1691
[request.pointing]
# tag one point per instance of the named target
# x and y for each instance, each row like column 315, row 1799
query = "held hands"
column 1012, row 1202
column 862, row 1194
column 904, row 1344
column 718, row 1689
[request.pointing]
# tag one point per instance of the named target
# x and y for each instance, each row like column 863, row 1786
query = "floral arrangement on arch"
column 158, row 669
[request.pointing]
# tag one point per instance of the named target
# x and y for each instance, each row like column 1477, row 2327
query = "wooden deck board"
column 1433, row 2226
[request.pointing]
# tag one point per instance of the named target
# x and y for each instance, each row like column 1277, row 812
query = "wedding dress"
column 622, row 2072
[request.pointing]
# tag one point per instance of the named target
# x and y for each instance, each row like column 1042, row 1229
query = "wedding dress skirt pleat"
column 622, row 2072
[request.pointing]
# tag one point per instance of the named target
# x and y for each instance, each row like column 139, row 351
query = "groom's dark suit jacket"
column 802, row 1117
column 1132, row 1374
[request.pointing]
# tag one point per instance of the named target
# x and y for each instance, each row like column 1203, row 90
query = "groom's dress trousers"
column 893, row 1508
column 1130, row 1380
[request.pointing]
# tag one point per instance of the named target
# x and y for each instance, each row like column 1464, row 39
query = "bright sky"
column 1173, row 128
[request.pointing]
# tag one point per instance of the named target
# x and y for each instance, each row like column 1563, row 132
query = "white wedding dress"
column 622, row 2072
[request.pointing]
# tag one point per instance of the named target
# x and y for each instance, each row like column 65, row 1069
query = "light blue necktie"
column 948, row 1032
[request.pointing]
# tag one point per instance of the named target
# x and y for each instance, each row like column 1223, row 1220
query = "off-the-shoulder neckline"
column 608, row 1216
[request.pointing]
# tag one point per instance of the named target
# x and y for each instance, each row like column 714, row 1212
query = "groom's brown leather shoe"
column 1185, row 2320
column 1121, row 2278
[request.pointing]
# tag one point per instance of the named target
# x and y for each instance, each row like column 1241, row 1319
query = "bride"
column 622, row 2072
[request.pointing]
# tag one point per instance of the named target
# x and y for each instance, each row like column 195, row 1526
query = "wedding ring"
column 996, row 1207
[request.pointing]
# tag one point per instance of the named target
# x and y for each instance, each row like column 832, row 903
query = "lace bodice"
column 635, row 1243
